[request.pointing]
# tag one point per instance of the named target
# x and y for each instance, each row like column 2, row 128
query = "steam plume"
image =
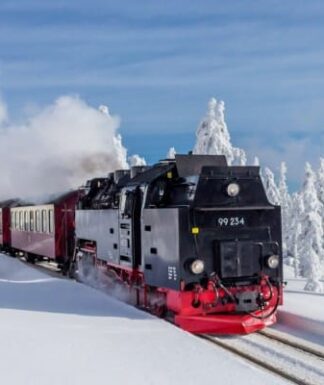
column 58, row 148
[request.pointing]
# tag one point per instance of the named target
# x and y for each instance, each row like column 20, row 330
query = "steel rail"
column 255, row 360
column 273, row 335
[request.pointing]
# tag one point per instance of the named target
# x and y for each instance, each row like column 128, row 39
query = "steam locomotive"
column 194, row 239
column 191, row 239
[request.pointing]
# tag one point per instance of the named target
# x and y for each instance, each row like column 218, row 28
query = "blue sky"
column 156, row 64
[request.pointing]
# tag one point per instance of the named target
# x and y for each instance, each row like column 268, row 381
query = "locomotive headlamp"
column 273, row 261
column 197, row 266
column 233, row 189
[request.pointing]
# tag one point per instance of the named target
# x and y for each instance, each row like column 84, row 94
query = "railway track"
column 288, row 357
column 294, row 342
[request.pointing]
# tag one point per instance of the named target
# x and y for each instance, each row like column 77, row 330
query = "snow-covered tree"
column 171, row 153
column 295, row 241
column 271, row 188
column 311, row 233
column 213, row 137
column 320, row 181
column 256, row 161
column 295, row 249
column 285, row 202
column 320, row 186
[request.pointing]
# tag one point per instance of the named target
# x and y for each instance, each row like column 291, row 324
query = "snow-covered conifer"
column 213, row 137
column 285, row 202
column 171, row 153
column 295, row 241
column 271, row 188
column 295, row 249
column 320, row 186
column 311, row 233
column 256, row 161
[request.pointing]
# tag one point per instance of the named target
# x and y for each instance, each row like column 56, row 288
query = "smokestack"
column 135, row 170
column 118, row 174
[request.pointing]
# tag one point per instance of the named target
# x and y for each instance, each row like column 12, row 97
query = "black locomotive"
column 191, row 237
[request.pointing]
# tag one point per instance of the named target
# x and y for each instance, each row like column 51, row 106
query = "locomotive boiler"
column 191, row 238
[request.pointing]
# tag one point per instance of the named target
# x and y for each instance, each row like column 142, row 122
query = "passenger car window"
column 21, row 221
column 50, row 221
column 38, row 227
column 16, row 220
column 44, row 221
column 26, row 221
column 31, row 213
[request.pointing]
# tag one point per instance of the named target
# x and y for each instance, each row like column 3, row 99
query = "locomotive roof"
column 152, row 173
column 186, row 165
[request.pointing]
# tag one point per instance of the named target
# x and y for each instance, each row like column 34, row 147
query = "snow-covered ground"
column 57, row 331
column 303, row 312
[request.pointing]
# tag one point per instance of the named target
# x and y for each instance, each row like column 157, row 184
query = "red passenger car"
column 5, row 236
column 45, row 231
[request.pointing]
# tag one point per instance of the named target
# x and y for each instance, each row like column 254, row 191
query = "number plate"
column 231, row 221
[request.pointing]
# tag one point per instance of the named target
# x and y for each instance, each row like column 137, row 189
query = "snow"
column 277, row 354
column 271, row 187
column 60, row 331
column 302, row 314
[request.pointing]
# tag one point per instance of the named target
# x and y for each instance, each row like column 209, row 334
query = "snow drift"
column 60, row 331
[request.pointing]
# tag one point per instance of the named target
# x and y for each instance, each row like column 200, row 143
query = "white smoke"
column 58, row 148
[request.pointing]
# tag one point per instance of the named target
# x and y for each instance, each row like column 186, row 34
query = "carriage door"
column 129, row 227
